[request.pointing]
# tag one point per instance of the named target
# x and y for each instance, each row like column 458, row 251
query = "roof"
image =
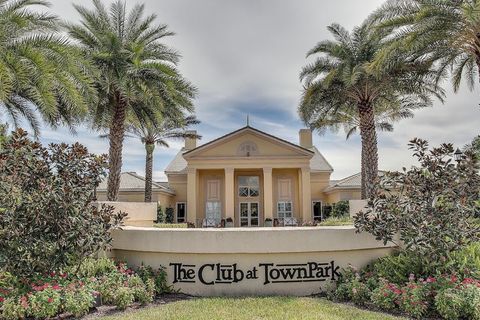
column 350, row 182
column 317, row 162
column 178, row 164
column 130, row 181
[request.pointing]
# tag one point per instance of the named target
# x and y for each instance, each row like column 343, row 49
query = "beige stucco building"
column 247, row 175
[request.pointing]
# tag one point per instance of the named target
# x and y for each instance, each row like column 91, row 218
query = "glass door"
column 249, row 216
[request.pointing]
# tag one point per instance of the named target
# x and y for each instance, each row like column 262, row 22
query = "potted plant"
column 229, row 222
column 268, row 222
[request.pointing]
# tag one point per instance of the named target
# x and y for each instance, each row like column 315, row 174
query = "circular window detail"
column 247, row 149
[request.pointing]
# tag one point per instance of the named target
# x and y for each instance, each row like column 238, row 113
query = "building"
column 247, row 175
column 132, row 189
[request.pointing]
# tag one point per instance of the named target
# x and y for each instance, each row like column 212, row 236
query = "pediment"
column 248, row 143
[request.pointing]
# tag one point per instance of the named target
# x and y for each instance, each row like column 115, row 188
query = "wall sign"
column 272, row 273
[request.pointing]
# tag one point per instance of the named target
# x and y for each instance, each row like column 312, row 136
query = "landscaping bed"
column 98, row 283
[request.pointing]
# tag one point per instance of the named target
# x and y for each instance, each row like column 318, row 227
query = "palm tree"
column 384, row 118
column 152, row 135
column 138, row 76
column 340, row 81
column 39, row 71
column 446, row 32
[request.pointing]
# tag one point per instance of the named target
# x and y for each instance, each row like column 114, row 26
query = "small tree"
column 341, row 209
column 47, row 219
column 430, row 207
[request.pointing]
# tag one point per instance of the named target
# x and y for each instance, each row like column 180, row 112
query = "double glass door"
column 249, row 216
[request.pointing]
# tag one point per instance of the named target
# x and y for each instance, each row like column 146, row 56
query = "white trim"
column 176, row 211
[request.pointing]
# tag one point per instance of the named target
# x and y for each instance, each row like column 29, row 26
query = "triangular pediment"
column 248, row 142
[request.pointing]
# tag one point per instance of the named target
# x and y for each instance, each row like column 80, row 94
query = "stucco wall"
column 319, row 181
column 140, row 214
column 251, row 254
column 355, row 206
column 344, row 194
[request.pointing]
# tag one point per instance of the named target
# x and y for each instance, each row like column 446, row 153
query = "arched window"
column 247, row 149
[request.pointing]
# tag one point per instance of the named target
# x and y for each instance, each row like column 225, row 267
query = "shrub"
column 398, row 267
column 45, row 303
column 169, row 215
column 14, row 308
column 449, row 304
column 78, row 301
column 341, row 209
column 470, row 294
column 466, row 261
column 107, row 287
column 386, row 295
column 431, row 206
column 327, row 211
column 139, row 290
column 47, row 220
column 333, row 221
column 92, row 267
column 360, row 292
column 350, row 286
column 414, row 299
column 160, row 215
column 159, row 277
column 123, row 298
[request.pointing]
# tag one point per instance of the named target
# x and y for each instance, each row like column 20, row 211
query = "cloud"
column 245, row 56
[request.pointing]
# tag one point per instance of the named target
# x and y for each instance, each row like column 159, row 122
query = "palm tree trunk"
column 362, row 175
column 116, row 135
column 369, row 147
column 149, row 147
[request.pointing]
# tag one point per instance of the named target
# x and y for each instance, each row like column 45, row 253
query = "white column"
column 192, row 195
column 306, row 196
column 229, row 193
column 267, row 193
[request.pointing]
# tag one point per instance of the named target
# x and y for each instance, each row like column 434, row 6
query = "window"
column 317, row 210
column 248, row 186
column 284, row 209
column 247, row 149
column 213, row 212
column 181, row 212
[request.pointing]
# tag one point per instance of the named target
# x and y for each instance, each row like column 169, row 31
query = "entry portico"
column 249, row 176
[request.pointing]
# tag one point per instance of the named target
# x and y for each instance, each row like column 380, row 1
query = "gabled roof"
column 247, row 128
column 350, row 182
column 318, row 163
column 130, row 181
column 178, row 164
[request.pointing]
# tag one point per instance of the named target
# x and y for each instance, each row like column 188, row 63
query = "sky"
column 245, row 56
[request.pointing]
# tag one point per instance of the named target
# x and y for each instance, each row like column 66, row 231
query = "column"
column 305, row 195
column 267, row 193
column 229, row 193
column 192, row 195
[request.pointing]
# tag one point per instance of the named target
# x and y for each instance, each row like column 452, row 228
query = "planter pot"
column 229, row 224
column 268, row 224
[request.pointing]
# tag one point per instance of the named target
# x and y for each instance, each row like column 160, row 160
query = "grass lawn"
column 253, row 308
